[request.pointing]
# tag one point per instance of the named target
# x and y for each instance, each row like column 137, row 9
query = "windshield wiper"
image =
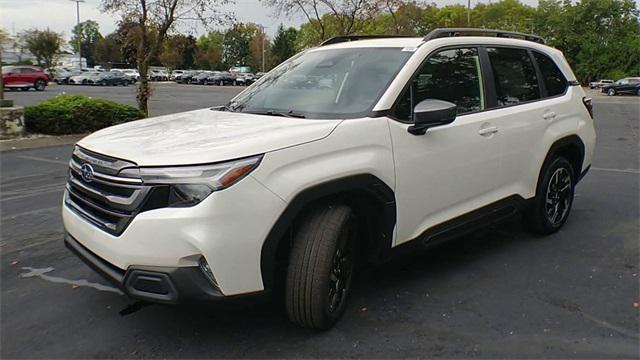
column 222, row 108
column 290, row 113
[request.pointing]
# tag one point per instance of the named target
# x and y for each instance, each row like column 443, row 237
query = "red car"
column 24, row 77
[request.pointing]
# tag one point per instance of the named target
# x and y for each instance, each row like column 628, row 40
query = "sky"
column 60, row 15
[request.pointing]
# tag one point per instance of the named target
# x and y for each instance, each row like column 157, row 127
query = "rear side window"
column 514, row 74
column 452, row 75
column 553, row 78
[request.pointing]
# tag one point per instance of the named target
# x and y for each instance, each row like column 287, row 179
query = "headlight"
column 189, row 185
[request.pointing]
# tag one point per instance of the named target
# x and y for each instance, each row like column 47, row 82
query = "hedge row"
column 76, row 114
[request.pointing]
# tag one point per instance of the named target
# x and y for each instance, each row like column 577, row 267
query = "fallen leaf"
column 636, row 305
column 14, row 263
column 74, row 286
column 363, row 309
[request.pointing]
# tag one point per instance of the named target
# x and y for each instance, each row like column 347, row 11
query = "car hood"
column 203, row 136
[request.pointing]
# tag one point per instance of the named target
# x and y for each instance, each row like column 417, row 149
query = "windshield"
column 325, row 84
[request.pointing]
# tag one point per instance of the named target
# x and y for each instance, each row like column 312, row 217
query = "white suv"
column 354, row 149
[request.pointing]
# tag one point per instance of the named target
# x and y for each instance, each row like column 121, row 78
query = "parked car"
column 108, row 78
column 186, row 77
column 629, row 85
column 406, row 143
column 245, row 79
column 600, row 83
column 24, row 77
column 222, row 78
column 174, row 73
column 201, row 78
column 120, row 73
column 158, row 75
column 82, row 78
column 62, row 76
column 132, row 73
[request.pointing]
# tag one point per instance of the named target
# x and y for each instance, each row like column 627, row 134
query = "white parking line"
column 626, row 171
column 43, row 159
column 31, row 272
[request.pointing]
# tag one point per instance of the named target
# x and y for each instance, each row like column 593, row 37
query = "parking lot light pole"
column 80, row 32
column 262, row 40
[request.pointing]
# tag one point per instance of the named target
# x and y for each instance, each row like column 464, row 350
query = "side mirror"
column 431, row 113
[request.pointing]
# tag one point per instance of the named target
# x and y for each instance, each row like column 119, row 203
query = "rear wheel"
column 611, row 92
column 321, row 267
column 554, row 197
column 39, row 85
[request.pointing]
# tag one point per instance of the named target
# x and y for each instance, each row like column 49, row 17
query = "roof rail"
column 347, row 38
column 449, row 32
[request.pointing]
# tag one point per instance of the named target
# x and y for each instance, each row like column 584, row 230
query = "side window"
column 28, row 71
column 452, row 75
column 554, row 80
column 515, row 76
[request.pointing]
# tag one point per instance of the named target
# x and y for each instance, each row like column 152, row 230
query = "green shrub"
column 76, row 114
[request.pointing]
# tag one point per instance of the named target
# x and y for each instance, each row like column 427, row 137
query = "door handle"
column 549, row 115
column 488, row 131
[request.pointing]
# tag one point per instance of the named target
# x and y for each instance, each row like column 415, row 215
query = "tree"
column 44, row 45
column 153, row 20
column 127, row 35
column 88, row 32
column 209, row 51
column 237, row 44
column 347, row 16
column 178, row 52
column 599, row 38
column 108, row 50
column 284, row 43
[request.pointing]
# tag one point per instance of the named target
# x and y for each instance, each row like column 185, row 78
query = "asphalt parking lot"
column 500, row 293
column 167, row 97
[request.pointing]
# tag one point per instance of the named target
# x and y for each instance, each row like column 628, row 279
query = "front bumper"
column 151, row 283
column 227, row 229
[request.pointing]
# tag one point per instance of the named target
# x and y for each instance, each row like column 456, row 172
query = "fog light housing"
column 206, row 270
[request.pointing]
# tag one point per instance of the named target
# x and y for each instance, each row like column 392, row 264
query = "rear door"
column 29, row 76
column 529, row 90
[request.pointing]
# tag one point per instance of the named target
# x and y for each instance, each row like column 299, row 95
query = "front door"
column 451, row 169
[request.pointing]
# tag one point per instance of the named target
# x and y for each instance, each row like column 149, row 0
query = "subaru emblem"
column 87, row 173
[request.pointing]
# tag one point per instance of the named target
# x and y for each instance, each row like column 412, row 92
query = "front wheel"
column 611, row 92
column 40, row 85
column 638, row 92
column 554, row 197
column 321, row 266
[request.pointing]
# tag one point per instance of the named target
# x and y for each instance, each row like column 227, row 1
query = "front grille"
column 106, row 200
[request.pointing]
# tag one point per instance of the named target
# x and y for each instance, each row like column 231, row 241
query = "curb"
column 38, row 142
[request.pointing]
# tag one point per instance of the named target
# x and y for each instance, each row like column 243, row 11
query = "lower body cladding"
column 209, row 251
column 152, row 283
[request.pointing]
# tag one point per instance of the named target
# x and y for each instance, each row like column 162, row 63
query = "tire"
column 103, row 83
column 638, row 92
column 84, row 82
column 611, row 92
column 321, row 267
column 552, row 206
column 40, row 85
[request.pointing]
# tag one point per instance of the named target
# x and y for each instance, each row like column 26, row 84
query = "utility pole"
column 468, row 13
column 79, row 35
column 262, row 40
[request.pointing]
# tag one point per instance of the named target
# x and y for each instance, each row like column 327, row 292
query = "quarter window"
column 452, row 75
column 514, row 74
column 554, row 80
